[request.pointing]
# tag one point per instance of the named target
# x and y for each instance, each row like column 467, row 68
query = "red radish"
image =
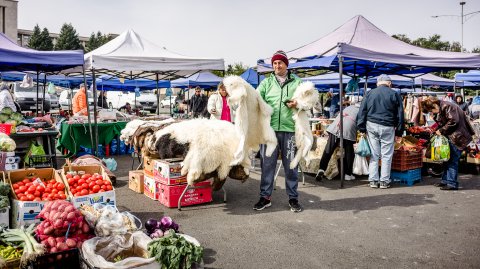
column 52, row 242
column 53, row 250
column 71, row 243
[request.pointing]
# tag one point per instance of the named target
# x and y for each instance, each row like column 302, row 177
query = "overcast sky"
column 246, row 30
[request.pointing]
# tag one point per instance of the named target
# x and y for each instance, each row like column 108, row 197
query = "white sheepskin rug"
column 252, row 118
column 207, row 145
column 306, row 96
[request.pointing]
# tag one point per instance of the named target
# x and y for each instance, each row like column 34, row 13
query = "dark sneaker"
column 295, row 206
column 384, row 185
column 319, row 175
column 262, row 204
column 373, row 184
column 448, row 188
column 440, row 184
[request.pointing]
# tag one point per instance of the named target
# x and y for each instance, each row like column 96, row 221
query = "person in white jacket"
column 6, row 98
column 218, row 106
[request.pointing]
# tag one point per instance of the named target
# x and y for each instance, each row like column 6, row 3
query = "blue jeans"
column 286, row 145
column 381, row 140
column 450, row 173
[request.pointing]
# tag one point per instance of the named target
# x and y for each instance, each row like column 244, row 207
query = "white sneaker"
column 349, row 177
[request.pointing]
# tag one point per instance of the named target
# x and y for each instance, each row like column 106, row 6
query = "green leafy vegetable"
column 174, row 251
column 4, row 189
column 7, row 110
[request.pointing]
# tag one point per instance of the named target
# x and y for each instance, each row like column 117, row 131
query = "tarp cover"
column 129, row 52
column 15, row 57
column 471, row 76
column 251, row 76
column 201, row 79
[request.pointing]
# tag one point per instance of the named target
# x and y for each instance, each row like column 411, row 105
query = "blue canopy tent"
column 472, row 76
column 252, row 77
column 58, row 80
column 326, row 81
column 360, row 48
column 111, row 83
column 201, row 79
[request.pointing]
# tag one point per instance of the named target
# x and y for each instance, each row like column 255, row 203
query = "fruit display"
column 34, row 189
column 81, row 185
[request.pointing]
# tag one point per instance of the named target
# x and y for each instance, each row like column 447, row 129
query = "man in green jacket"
column 277, row 90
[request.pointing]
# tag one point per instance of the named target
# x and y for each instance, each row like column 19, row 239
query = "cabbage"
column 7, row 110
column 16, row 116
column 14, row 122
column 4, row 117
column 6, row 143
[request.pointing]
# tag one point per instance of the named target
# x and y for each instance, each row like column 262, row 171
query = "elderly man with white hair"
column 381, row 117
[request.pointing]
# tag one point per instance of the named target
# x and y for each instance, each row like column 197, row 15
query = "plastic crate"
column 408, row 177
column 69, row 259
column 40, row 161
column 6, row 128
column 404, row 160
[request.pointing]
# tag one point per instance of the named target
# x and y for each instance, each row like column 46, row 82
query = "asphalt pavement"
column 353, row 227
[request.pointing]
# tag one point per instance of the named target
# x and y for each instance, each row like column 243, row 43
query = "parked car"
column 27, row 98
column 54, row 101
column 148, row 101
column 167, row 101
column 65, row 99
column 117, row 99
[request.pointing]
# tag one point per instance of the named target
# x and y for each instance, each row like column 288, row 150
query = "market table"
column 75, row 135
column 23, row 140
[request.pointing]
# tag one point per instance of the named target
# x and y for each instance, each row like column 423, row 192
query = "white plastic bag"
column 132, row 247
column 360, row 165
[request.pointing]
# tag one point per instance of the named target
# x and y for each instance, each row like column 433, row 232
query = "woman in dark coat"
column 102, row 100
column 452, row 123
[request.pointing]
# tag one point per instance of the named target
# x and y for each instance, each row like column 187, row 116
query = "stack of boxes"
column 163, row 182
column 8, row 161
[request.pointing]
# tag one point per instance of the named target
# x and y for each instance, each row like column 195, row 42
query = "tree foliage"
column 96, row 40
column 232, row 69
column 46, row 41
column 68, row 38
column 34, row 41
column 40, row 40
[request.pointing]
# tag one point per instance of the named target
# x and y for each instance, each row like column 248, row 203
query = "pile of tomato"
column 87, row 184
column 33, row 190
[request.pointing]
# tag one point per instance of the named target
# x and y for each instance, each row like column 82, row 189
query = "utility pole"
column 461, row 18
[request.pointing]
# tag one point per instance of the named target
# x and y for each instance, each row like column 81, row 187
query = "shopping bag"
column 360, row 165
column 440, row 148
column 34, row 150
column 363, row 149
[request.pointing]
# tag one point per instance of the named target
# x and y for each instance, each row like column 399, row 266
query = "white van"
column 65, row 100
column 27, row 97
column 146, row 100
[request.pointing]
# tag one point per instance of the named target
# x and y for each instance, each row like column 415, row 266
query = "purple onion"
column 175, row 227
column 151, row 225
column 166, row 222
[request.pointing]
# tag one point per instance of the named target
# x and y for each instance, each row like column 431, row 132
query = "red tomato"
column 54, row 191
column 61, row 192
column 76, row 177
column 51, row 196
column 29, row 184
column 23, row 198
column 101, row 190
column 53, row 181
column 71, row 181
column 30, row 192
column 45, row 195
column 88, row 175
column 79, row 188
column 103, row 187
column 98, row 177
column 45, row 199
column 81, row 181
column 57, row 196
column 48, row 190
column 62, row 196
column 32, row 188
column 91, row 184
column 37, row 194
column 77, row 194
column 69, row 176
column 15, row 186
column 85, row 186
column 40, row 188
column 22, row 188
column 37, row 199
column 17, row 191
column 20, row 183
column 73, row 191
column 84, row 176
column 30, row 197
column 106, row 182
column 96, row 188
column 26, row 181
column 109, row 188
column 83, row 192
column 60, row 186
column 90, row 192
column 50, row 185
column 99, row 182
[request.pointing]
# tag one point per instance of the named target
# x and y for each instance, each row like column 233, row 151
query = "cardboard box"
column 168, row 171
column 135, row 181
column 150, row 187
column 170, row 194
column 11, row 166
column 8, row 161
column 106, row 198
column 5, row 217
column 24, row 213
column 148, row 165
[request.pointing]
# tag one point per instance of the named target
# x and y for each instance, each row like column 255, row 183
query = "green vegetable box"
column 24, row 210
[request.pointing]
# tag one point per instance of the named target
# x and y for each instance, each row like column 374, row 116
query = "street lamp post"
column 462, row 18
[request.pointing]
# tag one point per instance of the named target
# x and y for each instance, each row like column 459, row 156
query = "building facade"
column 9, row 18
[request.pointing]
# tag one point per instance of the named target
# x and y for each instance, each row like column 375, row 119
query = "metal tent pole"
column 342, row 153
column 158, row 95
column 94, row 91
column 88, row 107
column 38, row 74
column 44, row 97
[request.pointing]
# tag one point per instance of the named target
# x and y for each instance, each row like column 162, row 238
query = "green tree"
column 96, row 40
column 236, row 69
column 46, row 41
column 35, row 39
column 403, row 38
column 476, row 49
column 68, row 38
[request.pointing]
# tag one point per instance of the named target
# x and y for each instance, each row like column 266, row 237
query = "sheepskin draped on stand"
column 252, row 118
column 306, row 96
column 208, row 148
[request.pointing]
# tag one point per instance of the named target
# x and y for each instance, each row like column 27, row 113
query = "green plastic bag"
column 34, row 150
column 440, row 148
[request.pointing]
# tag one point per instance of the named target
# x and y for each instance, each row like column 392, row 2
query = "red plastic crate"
column 6, row 128
column 169, row 194
column 404, row 160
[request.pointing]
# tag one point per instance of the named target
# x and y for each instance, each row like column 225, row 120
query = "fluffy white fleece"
column 306, row 96
column 132, row 126
column 252, row 118
column 212, row 144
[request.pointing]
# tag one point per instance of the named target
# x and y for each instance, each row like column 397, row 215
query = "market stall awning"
column 110, row 83
column 131, row 54
column 326, row 81
column 252, row 77
column 58, row 80
column 471, row 76
column 201, row 79
column 14, row 57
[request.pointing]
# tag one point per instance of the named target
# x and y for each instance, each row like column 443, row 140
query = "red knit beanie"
column 280, row 55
